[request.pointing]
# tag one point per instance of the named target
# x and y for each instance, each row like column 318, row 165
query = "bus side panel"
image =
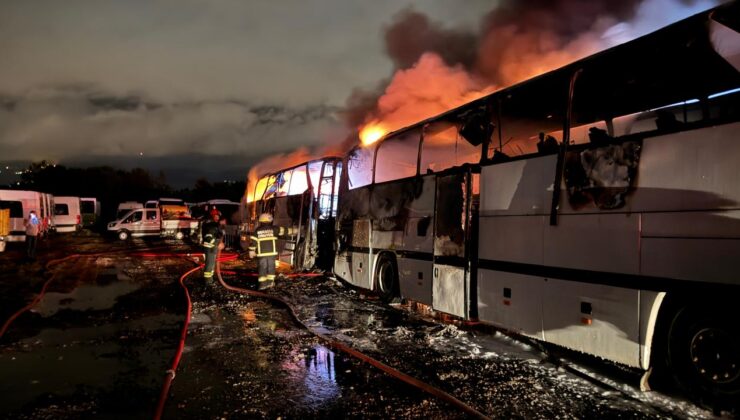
column 511, row 301
column 522, row 187
column 516, row 239
column 690, row 170
column 610, row 330
column 415, row 279
column 692, row 245
column 691, row 259
column 589, row 241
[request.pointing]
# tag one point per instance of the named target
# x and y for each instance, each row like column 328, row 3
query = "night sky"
column 208, row 88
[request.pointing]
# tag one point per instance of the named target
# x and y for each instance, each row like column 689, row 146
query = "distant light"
column 727, row 92
column 141, row 153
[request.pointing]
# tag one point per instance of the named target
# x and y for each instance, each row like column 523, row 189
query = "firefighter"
column 212, row 243
column 263, row 245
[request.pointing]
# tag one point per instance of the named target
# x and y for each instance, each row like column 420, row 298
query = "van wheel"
column 386, row 280
column 123, row 235
column 179, row 235
column 704, row 354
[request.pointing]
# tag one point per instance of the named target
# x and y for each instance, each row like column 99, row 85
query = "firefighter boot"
column 265, row 282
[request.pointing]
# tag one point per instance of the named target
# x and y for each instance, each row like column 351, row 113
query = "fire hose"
column 428, row 388
column 48, row 266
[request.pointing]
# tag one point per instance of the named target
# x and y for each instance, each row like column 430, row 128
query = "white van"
column 90, row 210
column 67, row 216
column 20, row 203
column 127, row 206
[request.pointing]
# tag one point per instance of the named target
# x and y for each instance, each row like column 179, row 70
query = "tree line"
column 112, row 186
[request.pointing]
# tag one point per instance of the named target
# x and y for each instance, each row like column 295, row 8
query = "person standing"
column 264, row 246
column 212, row 243
column 32, row 232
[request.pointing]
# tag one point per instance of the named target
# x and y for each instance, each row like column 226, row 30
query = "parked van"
column 90, row 209
column 47, row 213
column 153, row 222
column 20, row 203
column 67, row 216
column 127, row 206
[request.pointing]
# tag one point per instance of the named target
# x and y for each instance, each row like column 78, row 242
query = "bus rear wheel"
column 704, row 355
column 386, row 280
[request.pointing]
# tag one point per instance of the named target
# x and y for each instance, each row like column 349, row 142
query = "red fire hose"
column 430, row 389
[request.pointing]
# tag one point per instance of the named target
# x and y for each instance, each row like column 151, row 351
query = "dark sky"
column 208, row 88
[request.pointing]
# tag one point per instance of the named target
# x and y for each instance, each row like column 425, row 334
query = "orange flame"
column 371, row 133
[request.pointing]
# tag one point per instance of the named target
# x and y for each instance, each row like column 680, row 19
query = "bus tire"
column 386, row 279
column 703, row 352
column 123, row 235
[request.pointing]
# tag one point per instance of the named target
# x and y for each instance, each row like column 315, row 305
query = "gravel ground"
column 98, row 345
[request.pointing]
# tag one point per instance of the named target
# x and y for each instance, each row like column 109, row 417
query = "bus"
column 621, row 241
column 304, row 197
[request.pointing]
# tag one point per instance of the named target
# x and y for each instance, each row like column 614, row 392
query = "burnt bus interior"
column 302, row 197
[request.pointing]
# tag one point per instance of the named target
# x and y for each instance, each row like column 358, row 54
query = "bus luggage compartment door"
column 451, row 285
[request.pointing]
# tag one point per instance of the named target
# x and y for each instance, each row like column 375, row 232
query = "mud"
column 99, row 343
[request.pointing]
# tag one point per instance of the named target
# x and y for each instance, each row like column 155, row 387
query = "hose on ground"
column 428, row 388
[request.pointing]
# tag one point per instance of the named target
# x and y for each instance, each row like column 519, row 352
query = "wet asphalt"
column 99, row 343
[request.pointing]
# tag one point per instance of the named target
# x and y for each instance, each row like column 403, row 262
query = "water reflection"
column 316, row 374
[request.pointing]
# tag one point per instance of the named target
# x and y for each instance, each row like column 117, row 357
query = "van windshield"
column 87, row 207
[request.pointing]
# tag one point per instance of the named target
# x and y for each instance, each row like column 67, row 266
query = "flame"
column 371, row 133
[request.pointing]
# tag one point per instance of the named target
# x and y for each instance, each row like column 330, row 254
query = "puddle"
column 84, row 298
column 58, row 362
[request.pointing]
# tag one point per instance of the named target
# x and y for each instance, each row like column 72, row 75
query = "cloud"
column 64, row 122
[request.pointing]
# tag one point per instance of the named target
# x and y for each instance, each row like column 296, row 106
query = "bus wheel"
column 123, row 235
column 704, row 354
column 386, row 279
column 179, row 235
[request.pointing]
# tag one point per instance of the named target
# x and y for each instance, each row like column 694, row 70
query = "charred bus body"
column 621, row 242
column 304, row 197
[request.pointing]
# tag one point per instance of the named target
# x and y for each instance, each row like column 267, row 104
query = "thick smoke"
column 516, row 40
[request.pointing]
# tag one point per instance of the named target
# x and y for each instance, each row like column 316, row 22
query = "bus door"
column 327, row 213
column 454, row 205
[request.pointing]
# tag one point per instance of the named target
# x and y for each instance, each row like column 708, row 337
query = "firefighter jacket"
column 264, row 241
column 211, row 233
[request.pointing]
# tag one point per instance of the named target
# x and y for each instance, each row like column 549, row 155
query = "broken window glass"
column 360, row 167
column 443, row 148
column 397, row 156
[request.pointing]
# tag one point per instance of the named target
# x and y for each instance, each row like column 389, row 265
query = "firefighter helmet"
column 265, row 218
column 214, row 212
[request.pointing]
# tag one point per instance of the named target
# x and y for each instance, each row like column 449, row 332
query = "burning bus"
column 620, row 241
column 303, row 196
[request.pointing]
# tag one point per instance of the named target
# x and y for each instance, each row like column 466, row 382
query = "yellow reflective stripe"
column 267, row 254
column 270, row 277
column 207, row 245
column 208, row 274
column 262, row 278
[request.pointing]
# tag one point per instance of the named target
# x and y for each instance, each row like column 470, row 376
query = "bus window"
column 360, row 167
column 397, row 156
column 444, row 148
column 284, row 186
column 298, row 181
column 528, row 110
column 260, row 188
column 314, row 173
